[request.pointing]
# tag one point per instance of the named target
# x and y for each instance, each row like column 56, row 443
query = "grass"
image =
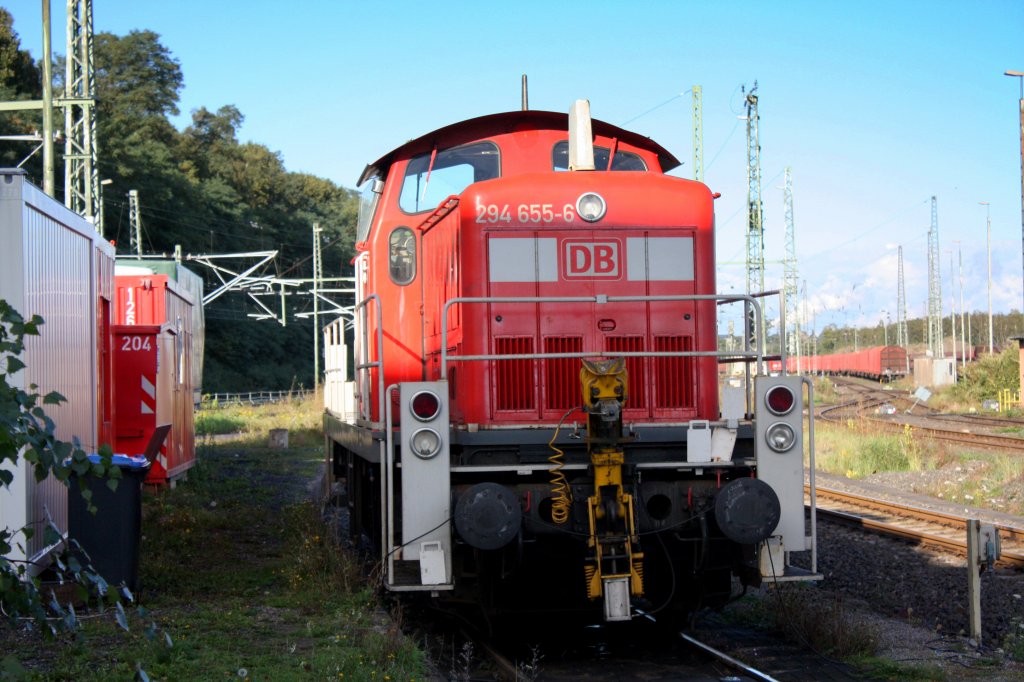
column 981, row 478
column 855, row 449
column 825, row 392
column 241, row 579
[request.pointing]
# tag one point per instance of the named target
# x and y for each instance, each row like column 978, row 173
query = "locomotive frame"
column 546, row 286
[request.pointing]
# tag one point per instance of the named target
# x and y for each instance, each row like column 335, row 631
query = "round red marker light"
column 780, row 400
column 425, row 406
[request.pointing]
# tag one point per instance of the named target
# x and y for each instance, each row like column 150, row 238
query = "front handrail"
column 362, row 364
column 757, row 355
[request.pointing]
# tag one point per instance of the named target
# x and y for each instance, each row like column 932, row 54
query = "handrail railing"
column 757, row 355
column 363, row 366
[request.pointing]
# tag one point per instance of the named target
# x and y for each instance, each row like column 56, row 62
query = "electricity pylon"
column 755, row 225
column 698, row 135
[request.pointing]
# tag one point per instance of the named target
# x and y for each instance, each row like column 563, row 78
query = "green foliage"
column 984, row 379
column 19, row 80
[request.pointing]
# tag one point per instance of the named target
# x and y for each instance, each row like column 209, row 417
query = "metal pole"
column 48, row 182
column 952, row 307
column 973, row 579
column 963, row 323
column 526, row 95
column 316, row 305
column 988, row 245
column 1019, row 75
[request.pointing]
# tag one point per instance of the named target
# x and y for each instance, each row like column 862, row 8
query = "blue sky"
column 876, row 106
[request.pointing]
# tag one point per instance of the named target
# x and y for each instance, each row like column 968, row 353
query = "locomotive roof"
column 492, row 124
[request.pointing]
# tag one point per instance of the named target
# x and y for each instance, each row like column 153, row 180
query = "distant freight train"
column 533, row 422
column 882, row 363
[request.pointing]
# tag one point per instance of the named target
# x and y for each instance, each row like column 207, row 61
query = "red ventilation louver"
column 634, row 367
column 562, row 375
column 673, row 376
column 514, row 381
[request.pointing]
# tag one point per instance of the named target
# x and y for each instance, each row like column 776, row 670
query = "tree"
column 20, row 79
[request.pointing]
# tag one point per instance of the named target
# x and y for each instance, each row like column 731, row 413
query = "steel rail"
column 1010, row 558
column 733, row 663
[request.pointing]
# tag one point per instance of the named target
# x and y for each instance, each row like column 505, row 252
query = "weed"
column 1013, row 644
column 823, row 624
column 462, row 663
column 530, row 670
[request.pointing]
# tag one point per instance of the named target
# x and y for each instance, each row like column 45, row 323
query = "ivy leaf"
column 54, row 398
column 14, row 364
column 112, row 483
column 122, row 618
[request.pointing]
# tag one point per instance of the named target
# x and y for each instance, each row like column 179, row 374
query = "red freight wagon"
column 153, row 364
column 878, row 362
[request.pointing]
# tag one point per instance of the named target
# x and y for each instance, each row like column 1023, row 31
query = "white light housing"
column 590, row 207
column 425, row 443
column 780, row 437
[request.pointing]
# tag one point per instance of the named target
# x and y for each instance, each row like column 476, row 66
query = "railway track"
column 869, row 397
column 915, row 524
column 640, row 650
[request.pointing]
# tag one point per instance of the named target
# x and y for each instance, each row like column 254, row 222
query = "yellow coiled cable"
column 561, row 493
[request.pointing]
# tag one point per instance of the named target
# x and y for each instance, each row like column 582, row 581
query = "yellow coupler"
column 614, row 543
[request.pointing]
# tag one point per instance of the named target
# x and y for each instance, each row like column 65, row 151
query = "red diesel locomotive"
column 534, row 420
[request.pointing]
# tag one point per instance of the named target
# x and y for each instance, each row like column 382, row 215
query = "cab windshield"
column 623, row 161
column 427, row 184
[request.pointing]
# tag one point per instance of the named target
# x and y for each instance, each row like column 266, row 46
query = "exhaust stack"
column 581, row 139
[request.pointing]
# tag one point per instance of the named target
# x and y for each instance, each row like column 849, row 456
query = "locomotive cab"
column 533, row 420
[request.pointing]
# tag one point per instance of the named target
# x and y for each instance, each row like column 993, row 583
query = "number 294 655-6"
column 524, row 214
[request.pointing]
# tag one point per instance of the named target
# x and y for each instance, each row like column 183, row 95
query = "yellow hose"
column 561, row 493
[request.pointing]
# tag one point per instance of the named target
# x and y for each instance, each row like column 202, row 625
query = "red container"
column 153, row 369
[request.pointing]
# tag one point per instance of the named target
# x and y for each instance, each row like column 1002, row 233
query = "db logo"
column 591, row 260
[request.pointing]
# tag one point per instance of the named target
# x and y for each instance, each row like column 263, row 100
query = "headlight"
column 425, row 443
column 780, row 437
column 590, row 207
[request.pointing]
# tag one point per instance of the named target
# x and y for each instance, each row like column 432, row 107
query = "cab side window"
column 402, row 255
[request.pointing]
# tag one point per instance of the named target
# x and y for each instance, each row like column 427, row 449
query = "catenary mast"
column 755, row 224
column 790, row 276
